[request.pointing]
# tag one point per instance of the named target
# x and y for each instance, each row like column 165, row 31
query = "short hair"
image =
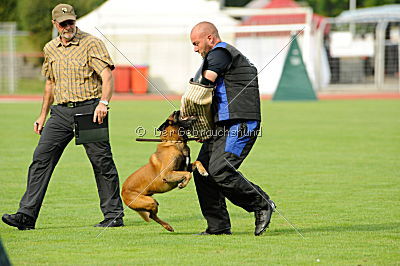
column 206, row 28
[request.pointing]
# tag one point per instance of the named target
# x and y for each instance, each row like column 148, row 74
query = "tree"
column 236, row 3
column 8, row 10
column 329, row 8
column 35, row 16
column 332, row 8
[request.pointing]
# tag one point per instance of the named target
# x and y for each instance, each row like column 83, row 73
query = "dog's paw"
column 182, row 185
column 169, row 228
column 200, row 168
column 203, row 173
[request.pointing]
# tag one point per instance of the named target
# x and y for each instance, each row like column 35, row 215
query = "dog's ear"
column 176, row 116
column 164, row 125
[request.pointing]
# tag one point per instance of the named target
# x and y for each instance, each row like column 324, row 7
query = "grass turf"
column 330, row 166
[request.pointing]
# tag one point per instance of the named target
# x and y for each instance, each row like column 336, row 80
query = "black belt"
column 76, row 104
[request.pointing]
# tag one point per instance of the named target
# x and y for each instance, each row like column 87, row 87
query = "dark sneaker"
column 111, row 222
column 263, row 218
column 206, row 233
column 19, row 220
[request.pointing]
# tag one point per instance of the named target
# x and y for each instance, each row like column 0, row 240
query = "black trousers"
column 221, row 155
column 56, row 135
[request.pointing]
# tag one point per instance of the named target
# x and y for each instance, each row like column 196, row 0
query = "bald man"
column 236, row 115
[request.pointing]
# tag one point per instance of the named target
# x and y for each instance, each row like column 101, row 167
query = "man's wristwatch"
column 104, row 102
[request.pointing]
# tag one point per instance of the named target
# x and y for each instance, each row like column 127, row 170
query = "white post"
column 380, row 54
column 376, row 55
column 11, row 55
column 221, row 4
column 307, row 38
column 398, row 63
column 352, row 6
column 319, row 49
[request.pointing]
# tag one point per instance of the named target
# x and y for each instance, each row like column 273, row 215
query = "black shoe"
column 206, row 233
column 263, row 218
column 19, row 220
column 111, row 222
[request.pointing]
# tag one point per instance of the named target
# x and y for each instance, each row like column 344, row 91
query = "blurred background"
column 345, row 46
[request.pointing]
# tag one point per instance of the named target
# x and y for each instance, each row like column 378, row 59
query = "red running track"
column 155, row 97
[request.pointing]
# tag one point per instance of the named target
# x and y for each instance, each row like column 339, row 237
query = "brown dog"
column 169, row 167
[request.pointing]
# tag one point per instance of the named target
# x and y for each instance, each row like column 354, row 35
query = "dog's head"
column 175, row 125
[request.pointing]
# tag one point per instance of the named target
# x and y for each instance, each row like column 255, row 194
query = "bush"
column 35, row 16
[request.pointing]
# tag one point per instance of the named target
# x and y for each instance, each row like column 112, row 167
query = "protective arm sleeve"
column 197, row 102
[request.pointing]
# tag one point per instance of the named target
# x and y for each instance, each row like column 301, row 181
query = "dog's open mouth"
column 186, row 122
column 176, row 120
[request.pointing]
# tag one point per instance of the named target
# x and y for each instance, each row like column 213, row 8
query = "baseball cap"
column 63, row 12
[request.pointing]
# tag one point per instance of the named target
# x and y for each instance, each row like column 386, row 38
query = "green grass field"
column 332, row 167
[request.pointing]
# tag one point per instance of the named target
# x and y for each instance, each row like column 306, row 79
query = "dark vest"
column 236, row 95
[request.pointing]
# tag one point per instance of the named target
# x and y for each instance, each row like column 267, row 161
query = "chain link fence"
column 362, row 56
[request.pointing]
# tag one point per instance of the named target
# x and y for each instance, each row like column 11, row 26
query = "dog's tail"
column 145, row 215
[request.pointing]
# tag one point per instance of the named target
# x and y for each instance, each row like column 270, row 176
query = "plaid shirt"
column 75, row 68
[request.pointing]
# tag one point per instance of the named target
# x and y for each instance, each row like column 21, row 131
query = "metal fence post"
column 12, row 55
column 7, row 57
column 380, row 54
column 319, row 47
column 398, row 65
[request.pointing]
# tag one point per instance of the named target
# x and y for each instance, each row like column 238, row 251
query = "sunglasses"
column 66, row 23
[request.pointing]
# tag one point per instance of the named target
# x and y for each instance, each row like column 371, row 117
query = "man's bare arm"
column 48, row 99
column 210, row 75
column 107, row 91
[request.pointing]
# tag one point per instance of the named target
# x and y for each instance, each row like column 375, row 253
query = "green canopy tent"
column 294, row 83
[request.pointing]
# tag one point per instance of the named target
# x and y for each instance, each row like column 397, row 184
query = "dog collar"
column 174, row 141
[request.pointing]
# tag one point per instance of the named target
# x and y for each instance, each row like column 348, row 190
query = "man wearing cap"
column 78, row 75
